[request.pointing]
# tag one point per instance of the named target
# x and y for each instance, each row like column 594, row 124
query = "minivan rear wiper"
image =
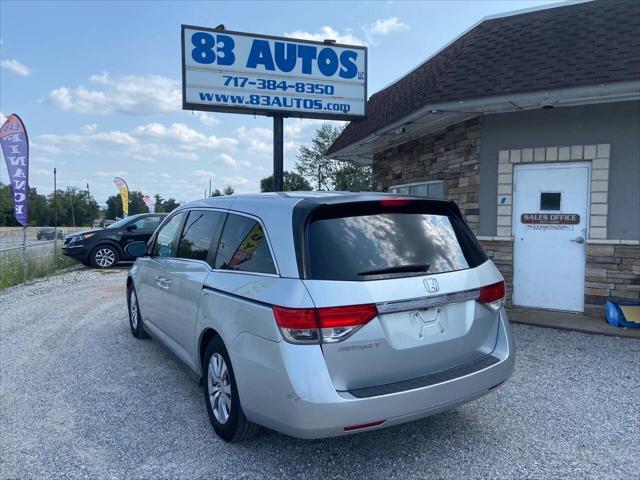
column 398, row 269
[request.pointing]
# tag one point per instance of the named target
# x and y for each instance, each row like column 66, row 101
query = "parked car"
column 105, row 247
column 49, row 233
column 319, row 315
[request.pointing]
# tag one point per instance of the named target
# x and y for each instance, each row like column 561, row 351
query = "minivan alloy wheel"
column 105, row 257
column 133, row 309
column 219, row 388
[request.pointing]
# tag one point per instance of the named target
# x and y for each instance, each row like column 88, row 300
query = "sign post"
column 278, row 152
column 236, row 72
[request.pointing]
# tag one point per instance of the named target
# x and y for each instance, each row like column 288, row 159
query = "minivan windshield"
column 389, row 244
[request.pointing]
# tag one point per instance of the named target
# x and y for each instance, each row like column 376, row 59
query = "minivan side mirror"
column 136, row 249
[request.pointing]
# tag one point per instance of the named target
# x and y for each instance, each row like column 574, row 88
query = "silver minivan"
column 323, row 314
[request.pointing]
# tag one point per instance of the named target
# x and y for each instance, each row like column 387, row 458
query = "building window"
column 432, row 189
column 550, row 201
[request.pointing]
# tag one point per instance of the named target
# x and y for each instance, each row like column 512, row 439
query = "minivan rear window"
column 389, row 243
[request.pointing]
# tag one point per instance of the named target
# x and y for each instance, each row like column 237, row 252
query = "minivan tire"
column 236, row 428
column 135, row 318
column 101, row 253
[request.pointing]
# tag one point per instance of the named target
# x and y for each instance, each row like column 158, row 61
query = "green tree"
column 228, row 190
column 292, row 182
column 327, row 174
column 170, row 205
column 6, row 207
column 216, row 193
column 350, row 177
column 39, row 211
column 75, row 207
column 136, row 205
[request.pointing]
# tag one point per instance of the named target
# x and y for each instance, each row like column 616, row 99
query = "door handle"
column 579, row 240
column 162, row 282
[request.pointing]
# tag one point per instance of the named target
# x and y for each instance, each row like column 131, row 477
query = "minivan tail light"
column 492, row 295
column 326, row 325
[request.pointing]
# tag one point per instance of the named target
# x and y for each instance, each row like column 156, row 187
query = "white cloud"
column 127, row 94
column 111, row 174
column 327, row 33
column 232, row 162
column 378, row 28
column 255, row 140
column 2, row 118
column 89, row 128
column 386, row 26
column 188, row 137
column 237, row 181
column 204, row 174
column 206, row 118
column 16, row 67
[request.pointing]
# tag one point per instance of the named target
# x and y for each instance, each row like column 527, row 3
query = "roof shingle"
column 567, row 46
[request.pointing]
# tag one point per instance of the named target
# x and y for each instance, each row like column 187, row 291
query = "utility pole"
column 73, row 213
column 209, row 187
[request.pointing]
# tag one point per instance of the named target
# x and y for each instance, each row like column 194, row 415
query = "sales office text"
column 219, row 49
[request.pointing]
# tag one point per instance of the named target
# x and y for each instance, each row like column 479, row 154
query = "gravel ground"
column 81, row 398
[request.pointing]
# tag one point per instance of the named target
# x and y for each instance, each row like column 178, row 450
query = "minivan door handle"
column 163, row 282
column 579, row 240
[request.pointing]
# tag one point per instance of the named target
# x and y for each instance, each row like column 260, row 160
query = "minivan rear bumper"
column 288, row 388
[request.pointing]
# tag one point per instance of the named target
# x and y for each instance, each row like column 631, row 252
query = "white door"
column 550, row 215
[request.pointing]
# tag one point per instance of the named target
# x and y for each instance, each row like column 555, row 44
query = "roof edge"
column 597, row 93
column 512, row 13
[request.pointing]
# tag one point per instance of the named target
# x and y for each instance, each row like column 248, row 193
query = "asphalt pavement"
column 81, row 398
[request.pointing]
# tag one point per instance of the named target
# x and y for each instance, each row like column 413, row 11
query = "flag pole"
column 24, row 253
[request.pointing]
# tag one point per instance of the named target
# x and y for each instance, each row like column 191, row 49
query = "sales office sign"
column 224, row 71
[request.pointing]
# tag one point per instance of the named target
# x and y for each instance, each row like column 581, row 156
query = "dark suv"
column 103, row 248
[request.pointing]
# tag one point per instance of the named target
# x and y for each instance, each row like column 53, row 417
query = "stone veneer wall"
column 451, row 155
column 612, row 273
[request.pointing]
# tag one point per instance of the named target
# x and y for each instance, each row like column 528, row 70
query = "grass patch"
column 42, row 259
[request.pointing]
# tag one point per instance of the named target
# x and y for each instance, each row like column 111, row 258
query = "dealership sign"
column 550, row 218
column 224, row 71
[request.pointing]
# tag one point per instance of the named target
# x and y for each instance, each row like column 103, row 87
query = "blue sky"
column 98, row 84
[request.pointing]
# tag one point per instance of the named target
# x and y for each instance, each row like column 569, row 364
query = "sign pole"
column 278, row 152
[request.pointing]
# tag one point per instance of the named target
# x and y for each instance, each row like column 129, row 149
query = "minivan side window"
column 244, row 247
column 165, row 240
column 200, row 235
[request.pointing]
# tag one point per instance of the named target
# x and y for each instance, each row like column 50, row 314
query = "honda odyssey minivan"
column 323, row 314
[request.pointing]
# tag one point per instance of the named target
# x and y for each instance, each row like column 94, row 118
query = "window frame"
column 414, row 184
column 266, row 234
column 152, row 241
column 213, row 248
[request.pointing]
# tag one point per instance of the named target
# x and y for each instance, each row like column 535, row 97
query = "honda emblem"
column 431, row 285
